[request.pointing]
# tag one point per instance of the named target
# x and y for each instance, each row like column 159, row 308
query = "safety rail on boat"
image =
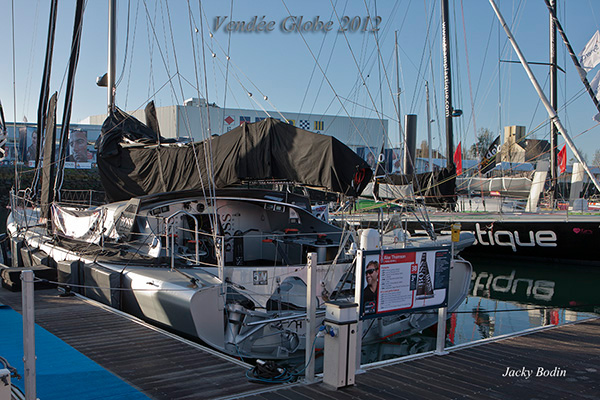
column 25, row 204
column 85, row 198
column 169, row 223
column 20, row 203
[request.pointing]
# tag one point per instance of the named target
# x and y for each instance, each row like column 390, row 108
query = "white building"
column 190, row 121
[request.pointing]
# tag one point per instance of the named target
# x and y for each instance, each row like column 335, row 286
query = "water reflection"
column 504, row 298
column 550, row 285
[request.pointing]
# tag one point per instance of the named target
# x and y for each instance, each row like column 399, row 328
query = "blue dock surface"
column 61, row 370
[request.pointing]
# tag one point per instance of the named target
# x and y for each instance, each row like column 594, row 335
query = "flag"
column 319, row 125
column 458, row 160
column 304, row 124
column 562, row 159
column 488, row 161
column 244, row 119
column 590, row 55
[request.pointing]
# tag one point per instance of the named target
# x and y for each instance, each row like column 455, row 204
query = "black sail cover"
column 133, row 163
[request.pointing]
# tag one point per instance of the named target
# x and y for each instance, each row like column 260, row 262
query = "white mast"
column 428, row 127
column 401, row 139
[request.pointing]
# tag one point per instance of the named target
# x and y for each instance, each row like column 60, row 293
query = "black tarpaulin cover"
column 264, row 150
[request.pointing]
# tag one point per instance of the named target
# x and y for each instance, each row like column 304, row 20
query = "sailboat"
column 211, row 239
column 555, row 236
column 524, row 233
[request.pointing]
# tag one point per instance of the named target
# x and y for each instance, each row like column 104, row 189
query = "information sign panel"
column 403, row 280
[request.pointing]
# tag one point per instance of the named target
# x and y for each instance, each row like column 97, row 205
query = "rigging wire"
column 248, row 92
column 314, row 69
column 416, row 92
column 226, row 68
column 196, row 160
column 126, row 45
column 137, row 9
column 357, row 66
column 468, row 70
column 208, row 143
column 31, row 57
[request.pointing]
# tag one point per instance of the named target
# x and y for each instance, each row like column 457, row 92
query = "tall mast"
column 554, row 104
column 581, row 71
column 112, row 52
column 428, row 127
column 400, row 138
column 447, row 85
column 551, row 111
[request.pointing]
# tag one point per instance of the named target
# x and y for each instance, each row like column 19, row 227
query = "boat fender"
column 369, row 239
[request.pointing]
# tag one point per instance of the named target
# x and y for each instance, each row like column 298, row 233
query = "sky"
column 172, row 51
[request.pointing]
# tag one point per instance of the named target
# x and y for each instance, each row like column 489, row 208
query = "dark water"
column 507, row 297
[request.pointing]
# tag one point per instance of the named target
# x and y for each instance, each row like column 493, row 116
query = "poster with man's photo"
column 369, row 154
column 398, row 281
column 80, row 153
column 31, row 153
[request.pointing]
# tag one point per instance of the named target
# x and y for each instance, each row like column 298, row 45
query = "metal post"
column 443, row 311
column 28, row 334
column 172, row 245
column 112, row 52
column 442, row 314
column 358, row 292
column 441, row 330
column 311, row 291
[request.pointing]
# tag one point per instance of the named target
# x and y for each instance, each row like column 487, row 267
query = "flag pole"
column 551, row 112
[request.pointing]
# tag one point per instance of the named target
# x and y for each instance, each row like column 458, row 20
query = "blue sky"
column 335, row 73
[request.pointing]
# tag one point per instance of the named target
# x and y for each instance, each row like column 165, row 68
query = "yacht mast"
column 447, row 86
column 428, row 127
column 401, row 139
column 554, row 104
column 112, row 52
column 581, row 71
column 551, row 111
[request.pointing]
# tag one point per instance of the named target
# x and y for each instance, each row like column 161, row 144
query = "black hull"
column 574, row 239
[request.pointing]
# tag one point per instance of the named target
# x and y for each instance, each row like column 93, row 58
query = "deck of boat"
column 162, row 366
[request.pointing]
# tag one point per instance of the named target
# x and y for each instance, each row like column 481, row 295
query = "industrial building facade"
column 195, row 120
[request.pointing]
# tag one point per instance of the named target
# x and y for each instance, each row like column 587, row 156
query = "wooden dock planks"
column 159, row 365
column 165, row 368
column 476, row 372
